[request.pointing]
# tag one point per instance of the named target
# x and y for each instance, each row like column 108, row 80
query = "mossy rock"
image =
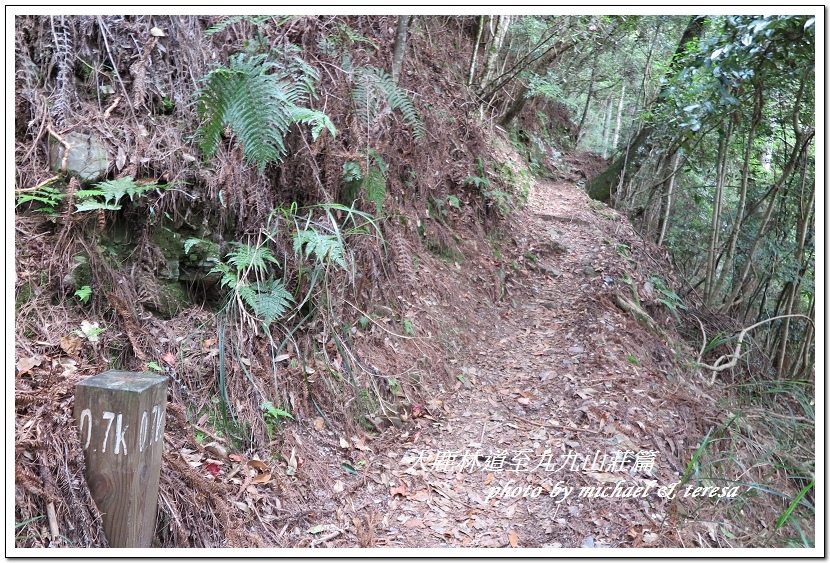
column 170, row 300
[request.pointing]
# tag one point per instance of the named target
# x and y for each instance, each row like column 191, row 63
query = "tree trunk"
column 521, row 97
column 668, row 199
column 578, row 134
column 502, row 23
column 516, row 108
column 802, row 142
column 805, row 356
column 537, row 64
column 601, row 187
column 400, row 47
column 793, row 289
column 714, row 240
column 475, row 52
column 740, row 212
column 607, row 128
column 619, row 118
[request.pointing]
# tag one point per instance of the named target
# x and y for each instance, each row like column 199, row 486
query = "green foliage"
column 374, row 88
column 478, row 182
column 669, row 298
column 268, row 299
column 89, row 331
column 245, row 256
column 273, row 413
column 107, row 195
column 503, row 201
column 549, row 86
column 442, row 204
column 84, row 294
column 227, row 22
column 19, row 525
column 373, row 184
column 317, row 119
column 48, row 197
column 499, row 199
column 191, row 242
column 324, row 247
column 622, row 249
column 155, row 367
column 494, row 197
column 245, row 274
column 354, row 36
column 343, row 38
column 717, row 74
column 791, row 508
column 352, row 172
column 257, row 99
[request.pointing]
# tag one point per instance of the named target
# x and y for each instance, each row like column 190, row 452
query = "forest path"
column 558, row 384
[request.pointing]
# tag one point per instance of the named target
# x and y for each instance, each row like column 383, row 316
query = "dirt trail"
column 548, row 396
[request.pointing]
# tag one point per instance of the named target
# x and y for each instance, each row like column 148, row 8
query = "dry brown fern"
column 131, row 327
column 402, row 256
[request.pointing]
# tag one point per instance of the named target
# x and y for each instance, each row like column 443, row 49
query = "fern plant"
column 373, row 184
column 258, row 100
column 229, row 21
column 374, row 87
column 48, row 197
column 245, row 274
column 107, row 195
column 324, row 247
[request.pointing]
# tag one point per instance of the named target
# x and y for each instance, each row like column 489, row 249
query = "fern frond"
column 268, row 300
column 248, row 295
column 373, row 85
column 354, row 36
column 375, row 185
column 257, row 99
column 297, row 76
column 245, row 256
column 228, row 278
column 271, row 300
column 50, row 197
column 111, row 191
column 227, row 22
column 93, row 205
column 324, row 247
column 317, row 119
column 190, row 243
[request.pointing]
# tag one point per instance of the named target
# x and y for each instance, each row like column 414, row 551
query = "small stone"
column 576, row 350
column 88, row 157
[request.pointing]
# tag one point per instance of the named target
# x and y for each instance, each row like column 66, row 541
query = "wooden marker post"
column 120, row 418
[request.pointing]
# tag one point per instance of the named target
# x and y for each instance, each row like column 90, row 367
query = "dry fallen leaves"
column 263, row 472
column 169, row 358
column 71, row 344
column 25, row 364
